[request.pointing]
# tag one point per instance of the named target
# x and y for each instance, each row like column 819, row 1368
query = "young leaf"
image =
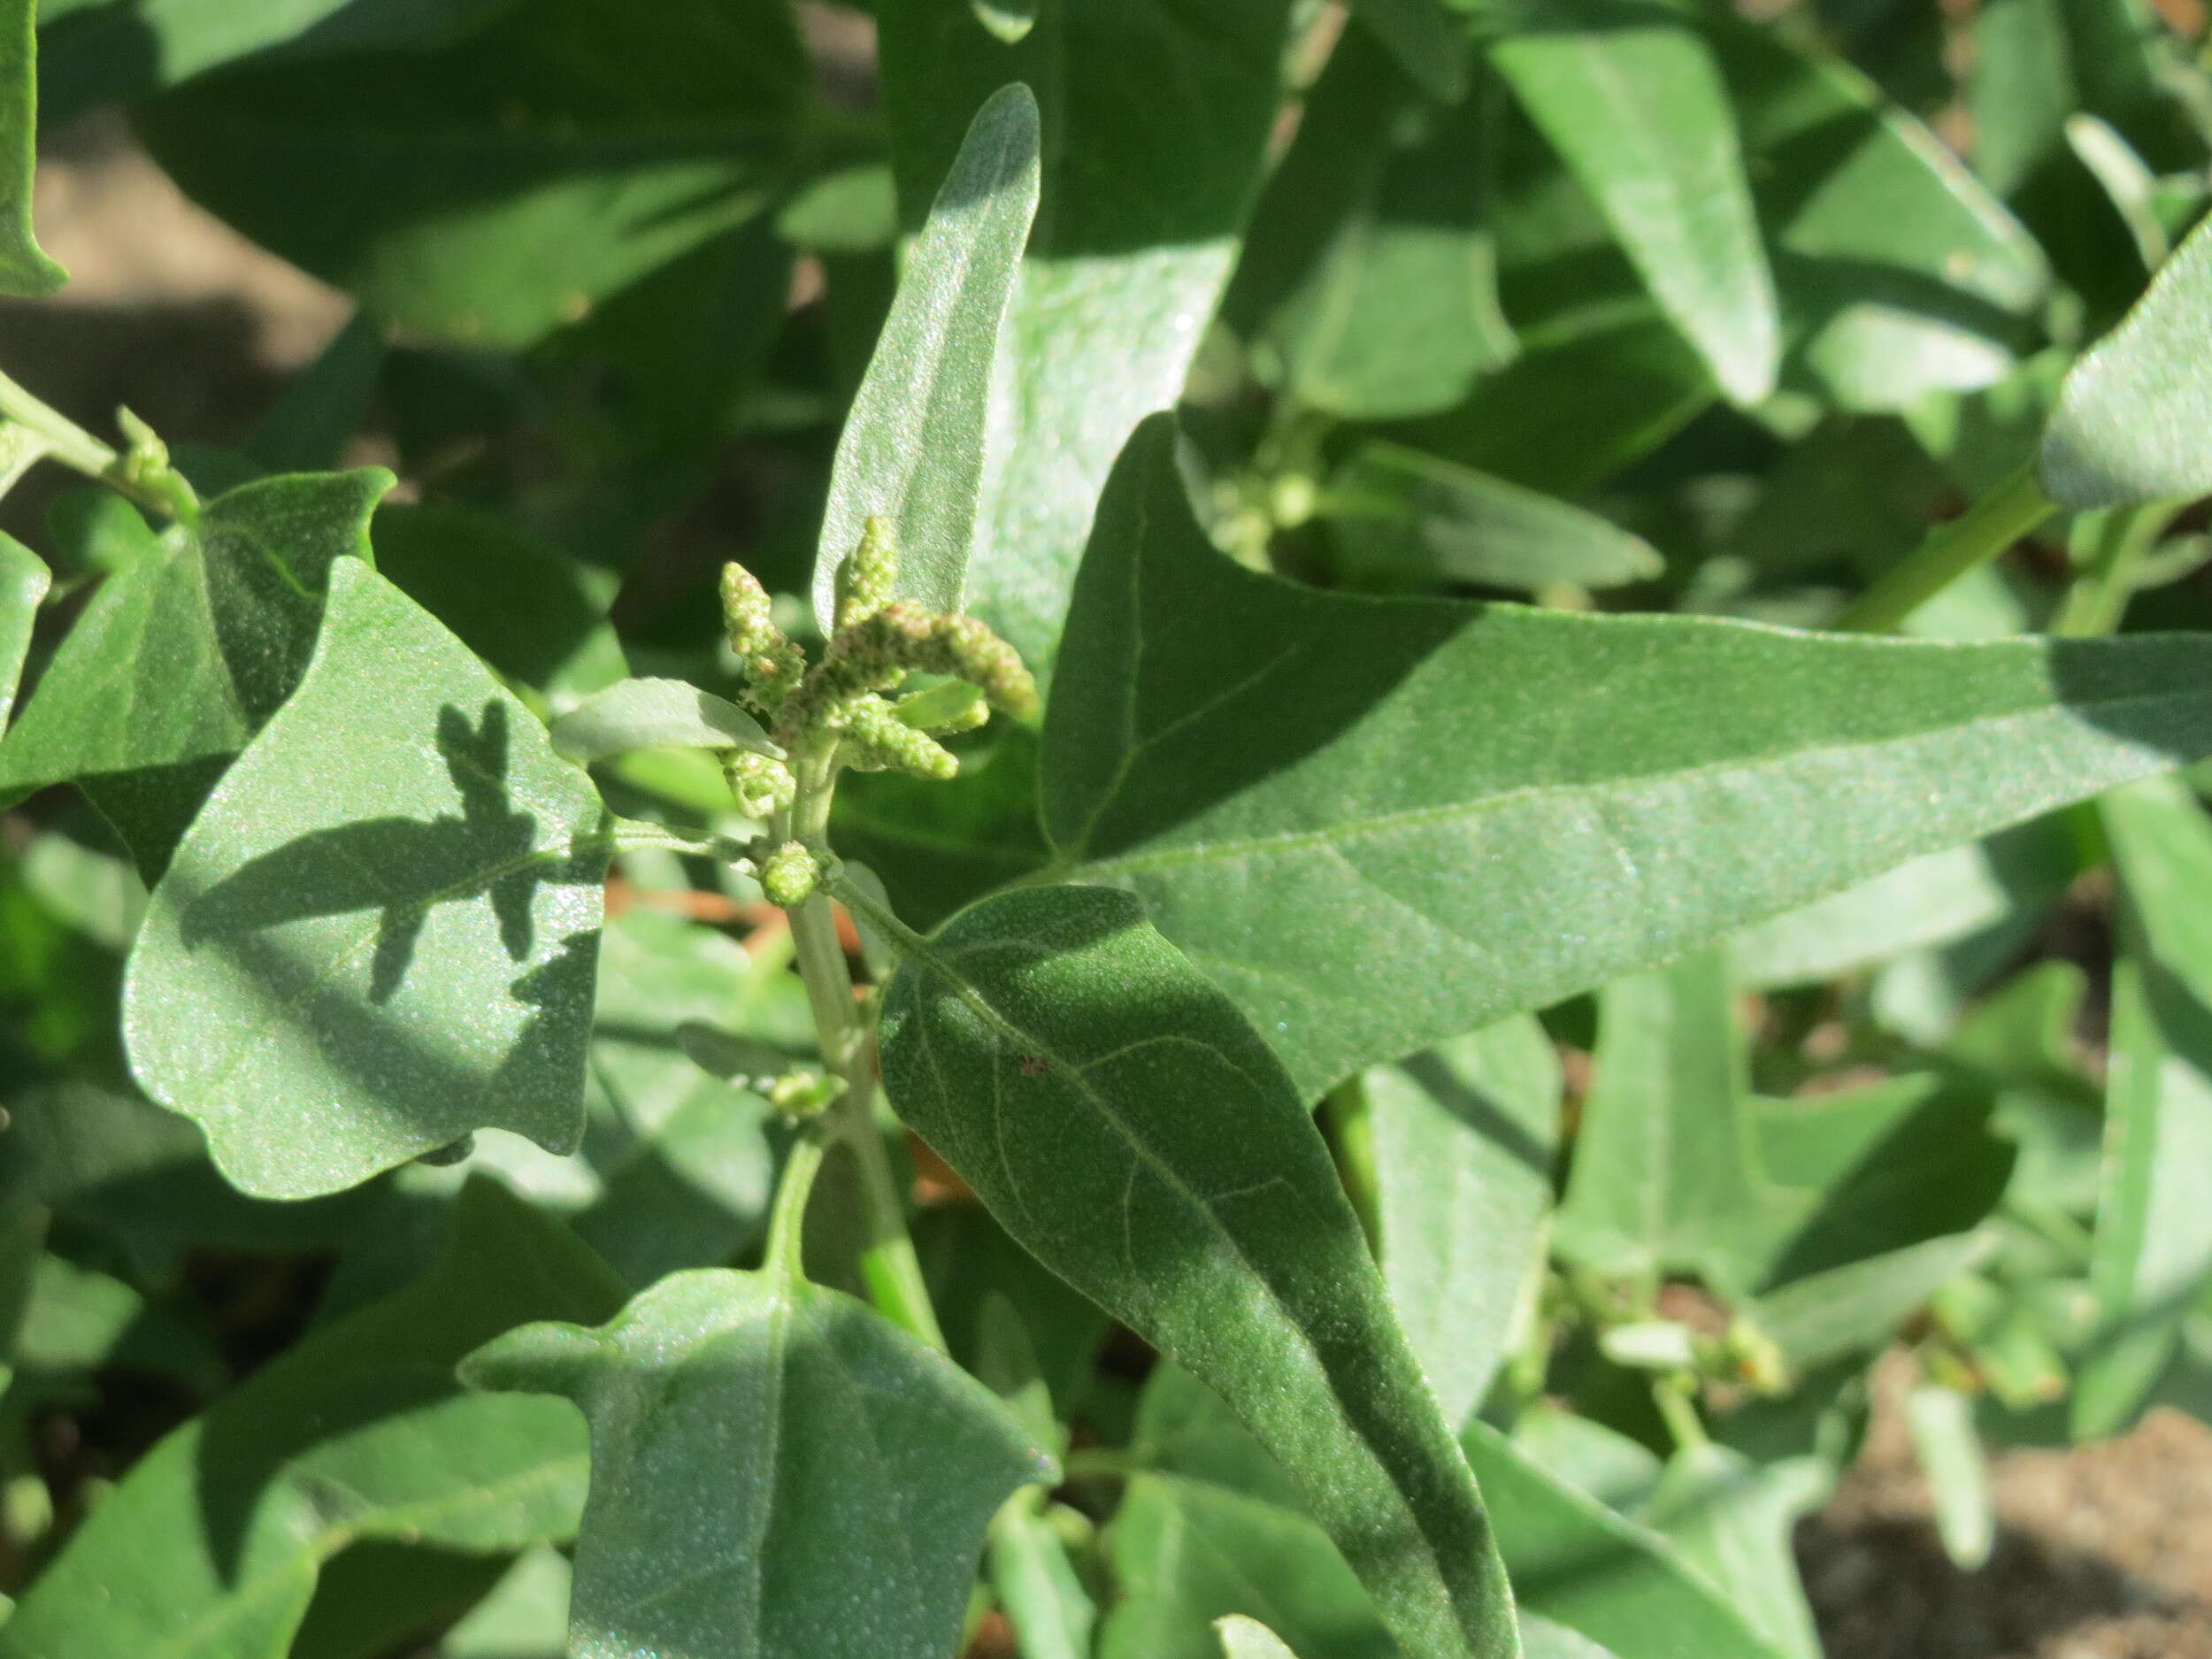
column 1044, row 1602
column 1368, row 285
column 23, row 580
column 1587, row 1567
column 1129, row 259
column 2134, row 415
column 913, row 445
column 210, row 1547
column 1394, row 509
column 1324, row 805
column 492, row 189
column 1662, row 1162
column 776, row 1470
column 24, row 268
column 655, row 714
column 380, row 933
column 1242, row 1638
column 1630, row 96
column 1464, row 1138
column 1056, row 1052
column 2154, row 1245
column 183, row 654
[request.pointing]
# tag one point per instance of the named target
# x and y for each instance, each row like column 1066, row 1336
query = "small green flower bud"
column 950, row 705
column 788, row 876
column 865, row 582
column 805, row 1094
column 772, row 664
column 761, row 784
column 880, row 741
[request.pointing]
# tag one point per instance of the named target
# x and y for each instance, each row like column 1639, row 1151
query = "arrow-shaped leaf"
column 776, row 1473
column 1127, row 1127
column 381, row 931
column 1379, row 823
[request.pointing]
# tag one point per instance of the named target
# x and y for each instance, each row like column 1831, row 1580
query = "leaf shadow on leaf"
column 400, row 867
column 1480, row 1112
column 1818, row 288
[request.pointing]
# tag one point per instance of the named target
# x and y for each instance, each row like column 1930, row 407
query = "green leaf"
column 1329, row 806
column 1631, row 98
column 1662, row 1167
column 1429, row 42
column 305, row 430
column 23, row 580
column 183, row 654
column 1044, row 1602
column 528, row 609
column 23, row 269
column 1940, row 1421
column 1463, row 1139
column 108, row 54
column 1051, row 1046
column 491, row 190
column 1242, row 1638
column 1585, row 1566
column 1899, row 273
column 2134, row 415
column 1857, row 1306
column 526, row 1615
column 1368, row 287
column 1733, row 1519
column 764, row 1451
column 1393, row 509
column 380, row 933
column 210, row 1547
column 913, row 446
column 2154, row 1242
column 1128, row 261
column 655, row 714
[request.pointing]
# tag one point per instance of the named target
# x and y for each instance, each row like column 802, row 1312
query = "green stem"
column 2119, row 541
column 65, row 441
column 1352, row 1126
column 1976, row 536
column 786, row 1221
column 1679, row 1413
column 889, row 1266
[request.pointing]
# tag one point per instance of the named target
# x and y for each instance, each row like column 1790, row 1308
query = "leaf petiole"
column 1976, row 536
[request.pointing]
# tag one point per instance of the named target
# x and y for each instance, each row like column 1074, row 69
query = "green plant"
column 1353, row 1113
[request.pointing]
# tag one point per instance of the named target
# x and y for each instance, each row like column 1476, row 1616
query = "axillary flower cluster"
column 840, row 712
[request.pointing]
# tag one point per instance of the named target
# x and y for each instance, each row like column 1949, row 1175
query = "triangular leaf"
column 1378, row 822
column 380, row 933
column 776, row 1471
column 1123, row 1122
column 912, row 449
column 182, row 654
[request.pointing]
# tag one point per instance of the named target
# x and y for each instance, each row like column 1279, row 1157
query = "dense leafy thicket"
column 1153, row 829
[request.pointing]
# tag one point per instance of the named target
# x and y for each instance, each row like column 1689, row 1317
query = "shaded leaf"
column 1463, row 1139
column 491, row 190
column 24, row 268
column 1050, row 1044
column 1377, row 823
column 1051, row 1612
column 209, row 1549
column 1630, row 96
column 183, row 654
column 655, row 714
column 2153, row 1241
column 23, row 580
column 912, row 450
column 380, row 933
column 1368, row 285
column 764, row 1451
column 1128, row 261
column 2134, row 415
column 1732, row 1519
column 1395, row 511
column 1591, row 1569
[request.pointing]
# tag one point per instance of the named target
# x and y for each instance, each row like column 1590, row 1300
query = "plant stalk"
column 786, row 1221
column 63, row 440
column 889, row 1265
column 2121, row 538
column 1976, row 536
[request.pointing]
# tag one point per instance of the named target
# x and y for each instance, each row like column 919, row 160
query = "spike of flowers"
column 866, row 580
column 789, row 875
column 878, row 740
column 772, row 664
